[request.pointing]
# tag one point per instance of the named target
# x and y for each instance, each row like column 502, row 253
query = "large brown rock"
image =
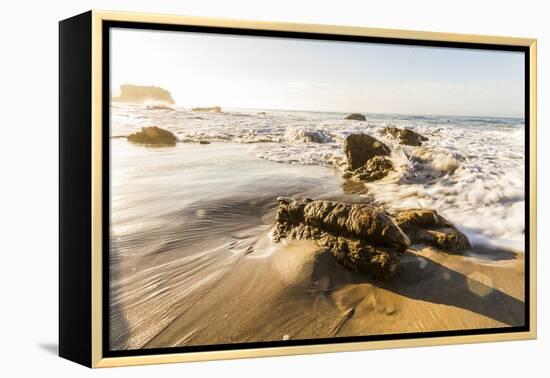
column 427, row 226
column 356, row 117
column 376, row 168
column 154, row 136
column 358, row 220
column 405, row 136
column 359, row 236
column 364, row 238
column 360, row 148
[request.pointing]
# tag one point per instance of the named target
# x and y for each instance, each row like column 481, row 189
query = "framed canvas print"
column 237, row 188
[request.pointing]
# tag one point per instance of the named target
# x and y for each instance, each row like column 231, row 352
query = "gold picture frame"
column 90, row 266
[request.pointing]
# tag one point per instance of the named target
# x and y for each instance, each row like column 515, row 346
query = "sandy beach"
column 307, row 296
column 193, row 261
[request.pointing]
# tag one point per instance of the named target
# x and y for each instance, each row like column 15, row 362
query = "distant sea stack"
column 138, row 94
column 213, row 109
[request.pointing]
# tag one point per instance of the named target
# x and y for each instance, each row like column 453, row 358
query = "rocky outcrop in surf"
column 428, row 227
column 356, row 117
column 138, row 94
column 360, row 237
column 364, row 238
column 374, row 169
column 153, row 136
column 367, row 158
column 405, row 136
column 360, row 148
column 213, row 109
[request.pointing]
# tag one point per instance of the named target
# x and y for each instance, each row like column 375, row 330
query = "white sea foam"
column 472, row 170
column 308, row 136
column 157, row 105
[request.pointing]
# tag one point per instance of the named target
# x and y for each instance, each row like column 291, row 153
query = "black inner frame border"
column 107, row 25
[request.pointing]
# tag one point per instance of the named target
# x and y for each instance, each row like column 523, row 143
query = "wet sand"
column 300, row 292
column 192, row 262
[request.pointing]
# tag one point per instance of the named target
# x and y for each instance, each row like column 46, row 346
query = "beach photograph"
column 280, row 189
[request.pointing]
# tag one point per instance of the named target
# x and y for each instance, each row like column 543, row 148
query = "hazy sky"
column 278, row 73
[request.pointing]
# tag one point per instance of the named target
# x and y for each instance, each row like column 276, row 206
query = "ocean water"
column 472, row 169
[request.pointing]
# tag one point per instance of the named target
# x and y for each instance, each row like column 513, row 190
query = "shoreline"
column 300, row 292
column 205, row 257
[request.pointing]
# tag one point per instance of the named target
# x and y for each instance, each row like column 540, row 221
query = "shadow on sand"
column 435, row 283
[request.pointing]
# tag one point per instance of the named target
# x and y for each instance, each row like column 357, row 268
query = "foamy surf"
column 472, row 169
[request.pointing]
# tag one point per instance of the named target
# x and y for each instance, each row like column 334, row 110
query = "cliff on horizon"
column 138, row 94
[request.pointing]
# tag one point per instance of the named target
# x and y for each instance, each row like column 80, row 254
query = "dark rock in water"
column 204, row 142
column 405, row 136
column 426, row 226
column 154, row 136
column 376, row 168
column 213, row 109
column 356, row 117
column 359, row 236
column 360, row 148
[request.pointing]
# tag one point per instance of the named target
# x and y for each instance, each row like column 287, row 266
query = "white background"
column 29, row 189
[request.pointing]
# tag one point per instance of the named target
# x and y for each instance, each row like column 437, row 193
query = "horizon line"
column 375, row 112
column 349, row 111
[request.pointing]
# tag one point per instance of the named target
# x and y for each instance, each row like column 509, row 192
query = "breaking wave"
column 472, row 169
